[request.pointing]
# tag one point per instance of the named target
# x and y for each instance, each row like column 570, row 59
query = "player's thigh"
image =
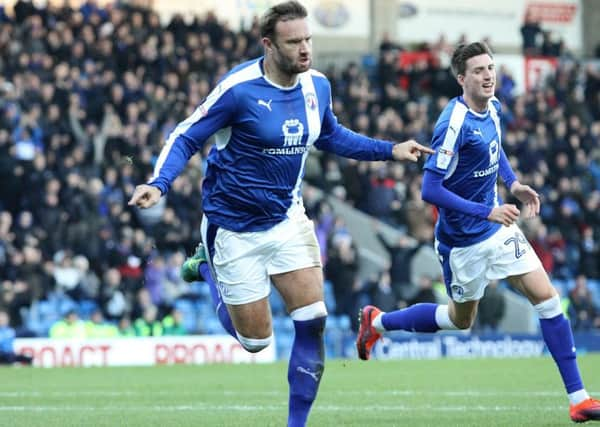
column 295, row 246
column 517, row 261
column 295, row 268
column 300, row 288
column 464, row 270
column 535, row 285
column 253, row 319
column 239, row 262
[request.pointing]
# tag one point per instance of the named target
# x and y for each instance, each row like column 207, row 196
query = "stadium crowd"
column 88, row 96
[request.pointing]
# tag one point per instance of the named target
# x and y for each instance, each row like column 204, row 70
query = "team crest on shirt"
column 457, row 290
column 311, row 100
column 444, row 157
column 293, row 129
column 494, row 152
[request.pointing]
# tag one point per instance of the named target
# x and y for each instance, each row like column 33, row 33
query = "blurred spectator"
column 173, row 323
column 542, row 246
column 582, row 313
column 14, row 296
column 125, row 327
column 96, row 327
column 342, row 272
column 66, row 276
column 113, row 302
column 424, row 290
column 148, row 325
column 590, row 254
column 88, row 93
column 382, row 294
column 89, row 282
column 174, row 286
column 424, row 269
column 7, row 337
column 400, row 253
column 491, row 308
column 69, row 327
column 531, row 32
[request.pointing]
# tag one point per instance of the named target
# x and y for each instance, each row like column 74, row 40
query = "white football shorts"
column 243, row 262
column 468, row 270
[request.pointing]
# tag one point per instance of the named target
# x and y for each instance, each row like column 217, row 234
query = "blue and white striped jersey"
column 467, row 148
column 263, row 135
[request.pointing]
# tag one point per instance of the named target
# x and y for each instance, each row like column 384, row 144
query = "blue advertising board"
column 461, row 345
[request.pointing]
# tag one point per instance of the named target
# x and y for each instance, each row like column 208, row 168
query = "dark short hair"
column 464, row 52
column 280, row 12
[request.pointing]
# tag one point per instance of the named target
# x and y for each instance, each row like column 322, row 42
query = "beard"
column 289, row 66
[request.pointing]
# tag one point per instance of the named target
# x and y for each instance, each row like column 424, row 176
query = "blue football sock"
column 416, row 318
column 559, row 340
column 307, row 362
column 218, row 304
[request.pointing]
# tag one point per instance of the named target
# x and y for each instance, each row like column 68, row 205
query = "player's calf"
column 307, row 361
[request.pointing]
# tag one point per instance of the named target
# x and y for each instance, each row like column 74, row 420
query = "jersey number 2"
column 519, row 241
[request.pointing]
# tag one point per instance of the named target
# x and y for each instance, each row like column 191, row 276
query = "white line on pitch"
column 457, row 393
column 261, row 408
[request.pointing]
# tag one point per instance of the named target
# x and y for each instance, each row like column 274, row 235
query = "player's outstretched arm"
column 528, row 196
column 145, row 196
column 410, row 150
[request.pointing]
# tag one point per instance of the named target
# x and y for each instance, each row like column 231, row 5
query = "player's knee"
column 549, row 308
column 309, row 312
column 254, row 345
column 463, row 324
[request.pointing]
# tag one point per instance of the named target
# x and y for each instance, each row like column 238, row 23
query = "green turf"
column 524, row 392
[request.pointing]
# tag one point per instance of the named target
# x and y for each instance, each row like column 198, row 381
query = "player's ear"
column 267, row 43
column 461, row 79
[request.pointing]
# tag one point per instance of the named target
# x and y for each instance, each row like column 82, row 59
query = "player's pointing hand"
column 410, row 150
column 145, row 196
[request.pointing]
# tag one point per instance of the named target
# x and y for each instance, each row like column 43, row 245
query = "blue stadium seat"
column 283, row 343
column 204, row 308
column 594, row 286
column 277, row 304
column 283, row 323
column 189, row 314
column 42, row 316
column 369, row 64
column 343, row 322
column 211, row 325
column 87, row 308
column 200, row 288
column 330, row 302
column 561, row 287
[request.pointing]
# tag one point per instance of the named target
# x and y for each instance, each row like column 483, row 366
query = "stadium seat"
column 283, row 323
column 329, row 296
column 594, row 286
column 283, row 342
column 211, row 325
column 87, row 308
column 277, row 304
column 561, row 286
column 189, row 314
column 204, row 308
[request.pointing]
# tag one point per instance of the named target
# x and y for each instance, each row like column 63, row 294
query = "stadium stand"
column 88, row 94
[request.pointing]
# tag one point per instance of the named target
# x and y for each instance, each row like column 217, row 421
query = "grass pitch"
column 490, row 392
